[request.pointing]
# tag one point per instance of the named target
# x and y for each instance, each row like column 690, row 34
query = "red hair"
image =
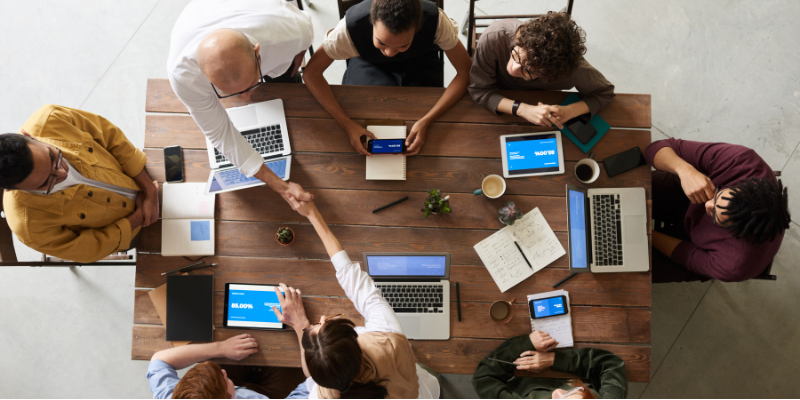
column 204, row 381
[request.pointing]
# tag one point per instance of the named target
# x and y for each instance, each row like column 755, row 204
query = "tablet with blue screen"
column 228, row 179
column 250, row 306
column 532, row 154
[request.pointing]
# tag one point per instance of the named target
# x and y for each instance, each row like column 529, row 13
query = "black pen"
column 390, row 204
column 563, row 280
column 202, row 266
column 182, row 268
column 523, row 254
column 458, row 302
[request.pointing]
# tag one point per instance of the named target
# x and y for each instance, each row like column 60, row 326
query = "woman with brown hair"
column 535, row 352
column 346, row 361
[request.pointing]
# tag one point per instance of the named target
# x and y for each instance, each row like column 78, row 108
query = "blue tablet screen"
column 532, row 154
column 250, row 306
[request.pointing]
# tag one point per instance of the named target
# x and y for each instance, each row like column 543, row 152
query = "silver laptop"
column 607, row 230
column 263, row 125
column 416, row 286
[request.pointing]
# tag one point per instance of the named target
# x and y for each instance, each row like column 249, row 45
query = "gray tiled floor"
column 716, row 70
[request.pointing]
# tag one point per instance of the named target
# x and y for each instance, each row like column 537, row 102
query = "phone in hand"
column 173, row 164
column 386, row 146
column 548, row 307
column 625, row 161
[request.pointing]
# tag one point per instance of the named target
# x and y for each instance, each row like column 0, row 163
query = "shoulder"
column 162, row 378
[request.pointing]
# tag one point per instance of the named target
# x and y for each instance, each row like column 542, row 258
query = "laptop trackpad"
column 411, row 326
column 633, row 229
column 244, row 117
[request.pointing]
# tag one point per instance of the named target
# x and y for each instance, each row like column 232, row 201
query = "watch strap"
column 515, row 107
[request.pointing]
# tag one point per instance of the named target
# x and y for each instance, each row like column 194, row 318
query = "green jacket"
column 602, row 372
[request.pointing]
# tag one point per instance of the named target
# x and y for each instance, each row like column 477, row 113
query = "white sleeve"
column 213, row 120
column 361, row 290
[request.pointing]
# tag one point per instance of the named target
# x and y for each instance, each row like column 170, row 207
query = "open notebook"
column 187, row 220
column 505, row 261
column 387, row 167
column 560, row 327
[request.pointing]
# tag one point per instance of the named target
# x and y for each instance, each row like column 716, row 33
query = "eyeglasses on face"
column 571, row 392
column 53, row 177
column 260, row 81
column 331, row 318
column 518, row 60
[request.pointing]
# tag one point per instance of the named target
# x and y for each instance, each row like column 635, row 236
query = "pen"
column 523, row 254
column 390, row 204
column 181, row 268
column 505, row 362
column 458, row 302
column 564, row 280
column 202, row 266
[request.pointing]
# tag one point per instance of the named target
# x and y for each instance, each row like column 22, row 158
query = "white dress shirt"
column 278, row 26
column 378, row 316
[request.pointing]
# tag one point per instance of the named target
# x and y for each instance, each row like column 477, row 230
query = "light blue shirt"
column 163, row 379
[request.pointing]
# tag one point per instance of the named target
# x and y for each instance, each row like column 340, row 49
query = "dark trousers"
column 425, row 71
column 273, row 382
column 669, row 210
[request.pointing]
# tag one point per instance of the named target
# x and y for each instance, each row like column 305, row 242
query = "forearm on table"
column 321, row 90
column 667, row 160
column 184, row 356
column 665, row 244
column 266, row 175
column 332, row 245
column 575, row 109
column 145, row 183
column 454, row 92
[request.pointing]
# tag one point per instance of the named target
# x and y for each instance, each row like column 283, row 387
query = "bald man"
column 223, row 48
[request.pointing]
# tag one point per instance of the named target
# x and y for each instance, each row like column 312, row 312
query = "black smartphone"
column 581, row 128
column 625, row 161
column 548, row 307
column 386, row 146
column 173, row 164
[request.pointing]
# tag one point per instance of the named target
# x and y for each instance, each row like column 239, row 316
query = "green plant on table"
column 285, row 235
column 510, row 213
column 435, row 204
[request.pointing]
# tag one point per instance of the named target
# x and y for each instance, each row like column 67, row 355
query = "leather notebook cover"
column 190, row 308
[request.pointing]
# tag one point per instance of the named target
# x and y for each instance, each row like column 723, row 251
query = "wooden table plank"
column 455, row 356
column 444, row 139
column 402, row 103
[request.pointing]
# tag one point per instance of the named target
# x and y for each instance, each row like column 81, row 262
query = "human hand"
column 561, row 114
column 542, row 341
column 292, row 312
column 355, row 132
column 538, row 114
column 239, row 346
column 296, row 192
column 535, row 361
column 304, row 208
column 416, row 138
column 149, row 205
column 698, row 187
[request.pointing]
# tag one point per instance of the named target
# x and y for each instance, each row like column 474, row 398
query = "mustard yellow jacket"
column 82, row 223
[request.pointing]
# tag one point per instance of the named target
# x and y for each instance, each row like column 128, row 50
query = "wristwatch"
column 515, row 107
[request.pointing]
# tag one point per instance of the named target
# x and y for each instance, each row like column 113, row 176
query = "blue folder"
column 599, row 124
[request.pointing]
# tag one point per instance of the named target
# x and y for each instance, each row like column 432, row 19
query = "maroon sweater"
column 713, row 251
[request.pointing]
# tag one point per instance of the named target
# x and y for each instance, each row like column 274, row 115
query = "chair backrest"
column 767, row 274
column 7, row 252
column 344, row 5
column 483, row 21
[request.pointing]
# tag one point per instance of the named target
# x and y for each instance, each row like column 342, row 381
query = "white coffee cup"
column 591, row 164
column 492, row 186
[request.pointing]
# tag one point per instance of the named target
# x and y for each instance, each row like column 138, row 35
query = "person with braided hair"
column 719, row 211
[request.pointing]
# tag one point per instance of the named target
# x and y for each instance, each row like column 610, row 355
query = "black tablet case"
column 190, row 308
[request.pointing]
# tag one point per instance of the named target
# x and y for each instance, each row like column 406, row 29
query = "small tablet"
column 228, row 179
column 249, row 306
column 532, row 154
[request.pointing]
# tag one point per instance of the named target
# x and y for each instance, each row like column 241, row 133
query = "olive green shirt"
column 603, row 372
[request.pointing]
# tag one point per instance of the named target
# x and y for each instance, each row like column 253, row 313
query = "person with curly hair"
column 720, row 212
column 544, row 53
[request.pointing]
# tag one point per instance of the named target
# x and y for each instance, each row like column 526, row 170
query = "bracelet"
column 515, row 107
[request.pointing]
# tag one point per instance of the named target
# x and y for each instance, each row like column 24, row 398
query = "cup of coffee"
column 501, row 311
column 493, row 186
column 587, row 170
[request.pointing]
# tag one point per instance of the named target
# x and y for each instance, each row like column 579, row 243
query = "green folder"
column 599, row 124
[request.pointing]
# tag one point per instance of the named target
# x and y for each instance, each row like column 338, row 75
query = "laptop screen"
column 577, row 229
column 401, row 265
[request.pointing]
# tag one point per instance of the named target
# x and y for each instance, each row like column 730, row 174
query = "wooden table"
column 609, row 311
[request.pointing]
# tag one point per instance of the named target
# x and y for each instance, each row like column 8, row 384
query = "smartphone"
column 625, row 161
column 386, row 146
column 581, row 128
column 173, row 164
column 548, row 307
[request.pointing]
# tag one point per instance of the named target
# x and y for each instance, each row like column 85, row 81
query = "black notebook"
column 190, row 311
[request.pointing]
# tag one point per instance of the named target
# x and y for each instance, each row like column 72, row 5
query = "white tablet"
column 250, row 306
column 228, row 179
column 532, row 154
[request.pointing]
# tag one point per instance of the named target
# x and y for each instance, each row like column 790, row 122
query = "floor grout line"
column 790, row 156
column 119, row 54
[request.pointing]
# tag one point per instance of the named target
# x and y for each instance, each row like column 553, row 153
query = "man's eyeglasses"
column 337, row 316
column 53, row 177
column 260, row 81
column 717, row 194
column 571, row 392
column 517, row 59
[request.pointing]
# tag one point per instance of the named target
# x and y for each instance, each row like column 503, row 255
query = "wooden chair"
column 7, row 252
column 483, row 21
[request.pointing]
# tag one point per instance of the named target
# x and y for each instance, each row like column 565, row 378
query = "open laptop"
column 416, row 286
column 607, row 230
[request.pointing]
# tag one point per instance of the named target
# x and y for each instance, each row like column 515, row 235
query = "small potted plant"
column 510, row 213
column 284, row 236
column 435, row 204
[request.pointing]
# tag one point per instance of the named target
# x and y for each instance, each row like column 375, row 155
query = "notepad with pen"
column 187, row 220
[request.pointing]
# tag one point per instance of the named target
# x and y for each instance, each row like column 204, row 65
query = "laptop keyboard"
column 607, row 230
column 414, row 298
column 264, row 140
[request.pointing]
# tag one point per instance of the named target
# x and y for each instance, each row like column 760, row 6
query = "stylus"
column 563, row 280
column 181, row 268
column 390, row 204
column 523, row 254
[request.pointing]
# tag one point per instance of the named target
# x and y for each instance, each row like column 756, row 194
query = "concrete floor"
column 716, row 70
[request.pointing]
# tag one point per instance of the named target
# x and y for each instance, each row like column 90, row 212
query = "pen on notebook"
column 458, row 302
column 182, row 268
column 390, row 204
column 523, row 254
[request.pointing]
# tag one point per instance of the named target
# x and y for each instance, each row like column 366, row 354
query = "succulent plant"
column 285, row 235
column 435, row 204
column 510, row 213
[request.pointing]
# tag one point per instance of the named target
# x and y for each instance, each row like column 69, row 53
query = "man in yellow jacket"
column 75, row 187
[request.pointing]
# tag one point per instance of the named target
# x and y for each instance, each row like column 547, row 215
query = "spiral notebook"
column 387, row 167
column 560, row 327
